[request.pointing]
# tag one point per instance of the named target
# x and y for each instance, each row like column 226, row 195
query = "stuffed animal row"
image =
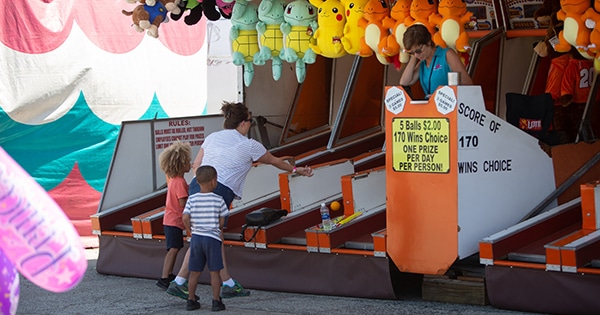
column 149, row 14
column 273, row 31
column 373, row 27
column 580, row 27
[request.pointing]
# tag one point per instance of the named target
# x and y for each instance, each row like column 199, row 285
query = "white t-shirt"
column 232, row 155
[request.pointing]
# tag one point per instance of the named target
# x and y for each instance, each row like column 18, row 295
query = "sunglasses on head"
column 416, row 51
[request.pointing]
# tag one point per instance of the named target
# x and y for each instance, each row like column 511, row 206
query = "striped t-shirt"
column 205, row 209
column 232, row 155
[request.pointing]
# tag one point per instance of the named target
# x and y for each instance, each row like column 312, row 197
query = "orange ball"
column 335, row 206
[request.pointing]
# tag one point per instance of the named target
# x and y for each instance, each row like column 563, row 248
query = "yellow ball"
column 335, row 206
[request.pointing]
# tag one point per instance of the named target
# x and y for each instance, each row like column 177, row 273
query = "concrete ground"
column 105, row 294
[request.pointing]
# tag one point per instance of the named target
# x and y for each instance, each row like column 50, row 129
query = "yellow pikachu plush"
column 328, row 36
column 352, row 32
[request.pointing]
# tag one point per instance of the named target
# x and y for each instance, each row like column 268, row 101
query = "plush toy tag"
column 553, row 41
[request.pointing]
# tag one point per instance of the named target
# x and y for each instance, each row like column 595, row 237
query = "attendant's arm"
column 281, row 164
column 411, row 72
column 198, row 160
column 457, row 66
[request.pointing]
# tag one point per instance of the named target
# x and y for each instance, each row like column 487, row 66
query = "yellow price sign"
column 421, row 145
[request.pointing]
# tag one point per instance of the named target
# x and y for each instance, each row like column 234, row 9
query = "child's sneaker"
column 217, row 305
column 180, row 291
column 163, row 283
column 193, row 305
column 236, row 290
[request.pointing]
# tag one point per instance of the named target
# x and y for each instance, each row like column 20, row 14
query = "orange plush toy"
column 450, row 22
column 398, row 14
column 574, row 32
column 420, row 11
column 375, row 34
column 592, row 20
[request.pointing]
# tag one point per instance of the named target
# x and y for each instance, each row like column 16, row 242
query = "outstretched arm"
column 281, row 164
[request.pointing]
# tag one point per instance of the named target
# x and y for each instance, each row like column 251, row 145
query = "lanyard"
column 430, row 74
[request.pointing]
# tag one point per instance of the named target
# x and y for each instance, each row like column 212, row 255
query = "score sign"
column 421, row 145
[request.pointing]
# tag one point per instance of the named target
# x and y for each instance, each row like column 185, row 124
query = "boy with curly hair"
column 174, row 161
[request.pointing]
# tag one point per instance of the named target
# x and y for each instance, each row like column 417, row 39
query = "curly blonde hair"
column 175, row 160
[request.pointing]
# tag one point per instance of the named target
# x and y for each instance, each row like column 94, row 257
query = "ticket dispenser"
column 455, row 173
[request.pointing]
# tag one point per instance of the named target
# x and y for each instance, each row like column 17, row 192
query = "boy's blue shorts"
column 205, row 250
column 173, row 237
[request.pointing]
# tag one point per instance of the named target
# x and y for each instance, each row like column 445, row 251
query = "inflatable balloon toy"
column 35, row 234
column 450, row 22
column 300, row 22
column 244, row 38
column 270, row 17
column 352, row 33
column 9, row 286
column 330, row 30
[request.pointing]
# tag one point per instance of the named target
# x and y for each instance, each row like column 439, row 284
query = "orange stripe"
column 352, row 252
column 588, row 208
column 509, row 263
column 117, row 233
column 287, row 246
column 526, row 33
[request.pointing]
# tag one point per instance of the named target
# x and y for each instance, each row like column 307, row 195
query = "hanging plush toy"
column 592, row 21
column 591, row 18
column 574, row 32
column 300, row 21
column 353, row 34
column 328, row 36
column 420, row 11
column 270, row 17
column 450, row 22
column 244, row 38
column 149, row 17
column 225, row 8
column 398, row 14
column 196, row 10
column 375, row 34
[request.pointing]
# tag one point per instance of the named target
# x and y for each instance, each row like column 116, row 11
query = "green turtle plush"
column 300, row 22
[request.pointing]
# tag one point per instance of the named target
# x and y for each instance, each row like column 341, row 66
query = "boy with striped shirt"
column 204, row 217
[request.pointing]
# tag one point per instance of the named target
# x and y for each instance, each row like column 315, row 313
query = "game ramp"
column 310, row 260
column 363, row 220
column 455, row 174
column 549, row 263
column 135, row 189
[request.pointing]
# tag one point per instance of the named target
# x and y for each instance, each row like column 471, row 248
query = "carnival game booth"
column 549, row 261
column 129, row 222
column 455, row 172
